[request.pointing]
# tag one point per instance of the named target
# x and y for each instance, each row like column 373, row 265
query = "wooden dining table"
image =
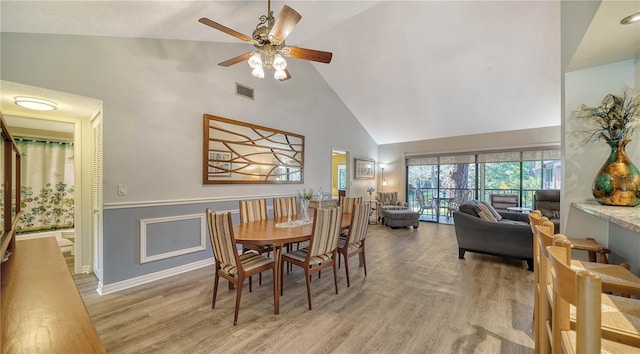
column 265, row 232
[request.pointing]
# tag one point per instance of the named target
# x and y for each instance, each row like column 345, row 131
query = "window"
column 342, row 176
column 435, row 183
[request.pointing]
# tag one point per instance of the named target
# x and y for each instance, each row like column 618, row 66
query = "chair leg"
column 335, row 273
column 238, row 296
column 215, row 290
column 363, row 258
column 339, row 259
column 346, row 269
column 281, row 276
column 260, row 279
column 250, row 285
column 308, row 281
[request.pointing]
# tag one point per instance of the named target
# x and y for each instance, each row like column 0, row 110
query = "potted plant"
column 618, row 181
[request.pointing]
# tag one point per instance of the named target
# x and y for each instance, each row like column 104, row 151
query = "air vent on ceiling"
column 244, row 91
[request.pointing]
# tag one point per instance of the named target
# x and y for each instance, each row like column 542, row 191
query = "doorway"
column 339, row 173
column 78, row 112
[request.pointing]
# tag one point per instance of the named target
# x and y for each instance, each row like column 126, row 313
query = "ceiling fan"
column 268, row 38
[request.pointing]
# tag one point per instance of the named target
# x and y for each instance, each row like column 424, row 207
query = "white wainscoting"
column 144, row 258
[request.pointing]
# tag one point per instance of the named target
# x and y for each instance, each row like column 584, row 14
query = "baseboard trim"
column 147, row 278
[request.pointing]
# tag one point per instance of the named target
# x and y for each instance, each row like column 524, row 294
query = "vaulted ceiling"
column 407, row 70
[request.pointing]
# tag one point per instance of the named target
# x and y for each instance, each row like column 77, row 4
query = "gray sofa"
column 510, row 237
column 548, row 202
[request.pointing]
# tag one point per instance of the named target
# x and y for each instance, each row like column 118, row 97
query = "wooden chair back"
column 359, row 224
column 222, row 240
column 347, row 203
column 582, row 289
column 253, row 210
column 285, row 207
column 534, row 220
column 326, row 231
column 543, row 237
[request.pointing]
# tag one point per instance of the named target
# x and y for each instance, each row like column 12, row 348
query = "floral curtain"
column 47, row 185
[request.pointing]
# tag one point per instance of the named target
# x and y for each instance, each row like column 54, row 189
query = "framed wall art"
column 239, row 152
column 364, row 169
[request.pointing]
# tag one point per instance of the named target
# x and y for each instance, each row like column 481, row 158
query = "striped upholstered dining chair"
column 347, row 203
column 353, row 243
column 322, row 250
column 229, row 264
column 285, row 207
column 254, row 210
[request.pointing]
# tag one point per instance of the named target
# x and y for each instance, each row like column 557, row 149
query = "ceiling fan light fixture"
column 255, row 60
column 37, row 104
column 279, row 63
column 633, row 18
column 258, row 72
column 279, row 75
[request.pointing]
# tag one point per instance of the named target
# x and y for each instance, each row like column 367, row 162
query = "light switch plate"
column 122, row 189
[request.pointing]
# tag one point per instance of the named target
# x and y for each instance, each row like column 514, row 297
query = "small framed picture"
column 365, row 169
column 219, row 164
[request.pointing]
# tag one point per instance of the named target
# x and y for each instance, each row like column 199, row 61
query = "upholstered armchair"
column 389, row 201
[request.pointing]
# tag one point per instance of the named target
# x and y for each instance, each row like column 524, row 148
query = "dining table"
column 277, row 233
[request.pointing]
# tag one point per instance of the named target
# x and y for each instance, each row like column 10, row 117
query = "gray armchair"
column 510, row 237
column 548, row 202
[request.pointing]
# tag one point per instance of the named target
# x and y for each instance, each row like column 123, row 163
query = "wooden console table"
column 42, row 311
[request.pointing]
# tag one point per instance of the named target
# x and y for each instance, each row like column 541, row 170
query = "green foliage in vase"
column 615, row 118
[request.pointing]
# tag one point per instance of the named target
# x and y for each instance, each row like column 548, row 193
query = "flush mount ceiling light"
column 38, row 104
column 633, row 18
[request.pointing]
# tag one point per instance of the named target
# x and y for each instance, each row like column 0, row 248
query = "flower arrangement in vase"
column 618, row 181
column 305, row 194
column 370, row 190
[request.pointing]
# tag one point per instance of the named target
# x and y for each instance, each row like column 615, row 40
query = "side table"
column 523, row 210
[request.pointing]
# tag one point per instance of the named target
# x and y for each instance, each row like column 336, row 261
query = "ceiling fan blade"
column 237, row 59
column 310, row 54
column 286, row 71
column 285, row 23
column 224, row 29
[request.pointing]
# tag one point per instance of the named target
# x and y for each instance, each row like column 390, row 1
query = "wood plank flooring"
column 418, row 297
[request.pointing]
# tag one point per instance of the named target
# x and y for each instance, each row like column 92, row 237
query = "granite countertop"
column 627, row 217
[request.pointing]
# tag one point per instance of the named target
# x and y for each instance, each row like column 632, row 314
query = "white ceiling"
column 408, row 70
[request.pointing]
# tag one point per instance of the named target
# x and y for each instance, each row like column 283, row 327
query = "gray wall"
column 155, row 93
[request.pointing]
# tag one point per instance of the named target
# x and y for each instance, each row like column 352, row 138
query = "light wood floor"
column 418, row 297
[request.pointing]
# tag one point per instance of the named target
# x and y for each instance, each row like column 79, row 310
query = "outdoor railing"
column 444, row 196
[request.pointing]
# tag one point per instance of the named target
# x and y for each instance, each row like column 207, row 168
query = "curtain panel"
column 47, row 190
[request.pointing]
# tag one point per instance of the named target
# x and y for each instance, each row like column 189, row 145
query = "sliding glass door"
column 436, row 185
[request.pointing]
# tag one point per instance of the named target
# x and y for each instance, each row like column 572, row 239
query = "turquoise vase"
column 618, row 181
